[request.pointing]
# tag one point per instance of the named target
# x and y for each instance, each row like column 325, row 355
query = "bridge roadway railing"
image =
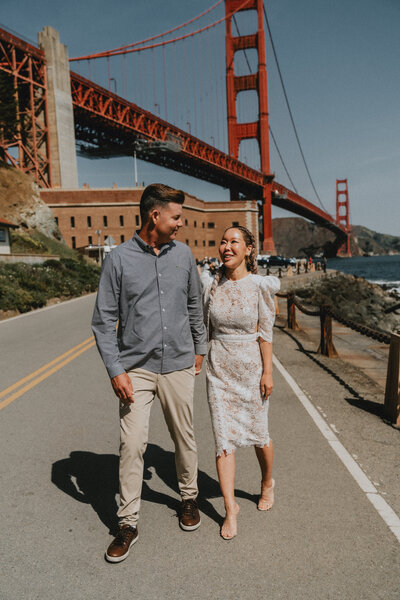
column 326, row 313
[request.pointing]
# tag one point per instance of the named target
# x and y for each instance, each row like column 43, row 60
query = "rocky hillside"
column 295, row 236
column 20, row 203
column 377, row 243
column 359, row 300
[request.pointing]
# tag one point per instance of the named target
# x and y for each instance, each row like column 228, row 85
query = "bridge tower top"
column 239, row 83
column 257, row 81
column 343, row 212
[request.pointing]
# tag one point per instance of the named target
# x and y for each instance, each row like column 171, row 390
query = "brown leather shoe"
column 190, row 516
column 119, row 548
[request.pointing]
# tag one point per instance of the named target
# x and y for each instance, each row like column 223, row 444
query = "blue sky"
column 340, row 62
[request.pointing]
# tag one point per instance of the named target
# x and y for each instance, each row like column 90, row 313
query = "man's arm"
column 196, row 320
column 104, row 322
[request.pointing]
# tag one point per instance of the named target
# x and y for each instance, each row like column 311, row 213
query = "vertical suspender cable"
column 194, row 88
column 153, row 109
column 165, row 84
column 215, row 76
column 124, row 78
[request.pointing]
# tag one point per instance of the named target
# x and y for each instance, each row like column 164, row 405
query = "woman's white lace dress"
column 241, row 311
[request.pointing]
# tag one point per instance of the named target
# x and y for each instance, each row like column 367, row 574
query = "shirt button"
column 165, row 328
column 163, row 309
column 159, row 274
column 161, row 291
column 165, row 345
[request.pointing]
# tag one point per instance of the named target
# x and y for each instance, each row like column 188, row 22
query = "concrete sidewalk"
column 59, row 469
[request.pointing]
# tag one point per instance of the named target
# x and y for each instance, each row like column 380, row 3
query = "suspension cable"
column 154, row 37
column 290, row 110
column 164, row 43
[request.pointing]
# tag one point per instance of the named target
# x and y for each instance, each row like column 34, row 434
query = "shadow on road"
column 93, row 479
column 357, row 399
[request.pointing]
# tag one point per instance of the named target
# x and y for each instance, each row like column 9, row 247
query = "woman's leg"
column 226, row 476
column 265, row 457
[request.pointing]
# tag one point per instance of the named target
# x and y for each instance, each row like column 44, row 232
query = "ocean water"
column 376, row 269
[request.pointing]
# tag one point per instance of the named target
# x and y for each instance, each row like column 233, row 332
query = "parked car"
column 268, row 260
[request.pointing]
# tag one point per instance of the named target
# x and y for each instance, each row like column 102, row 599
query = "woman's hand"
column 266, row 385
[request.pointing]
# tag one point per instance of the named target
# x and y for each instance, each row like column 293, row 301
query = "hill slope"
column 294, row 236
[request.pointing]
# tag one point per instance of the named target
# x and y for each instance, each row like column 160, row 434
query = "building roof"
column 7, row 223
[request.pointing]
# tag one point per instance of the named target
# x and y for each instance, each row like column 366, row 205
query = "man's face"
column 167, row 221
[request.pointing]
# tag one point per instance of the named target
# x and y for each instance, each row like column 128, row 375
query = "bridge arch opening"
column 249, row 153
column 247, row 106
column 246, row 22
column 246, row 62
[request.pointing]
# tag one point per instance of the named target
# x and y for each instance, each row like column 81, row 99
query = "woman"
column 240, row 314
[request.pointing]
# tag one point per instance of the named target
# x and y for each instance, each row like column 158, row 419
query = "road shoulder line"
column 381, row 506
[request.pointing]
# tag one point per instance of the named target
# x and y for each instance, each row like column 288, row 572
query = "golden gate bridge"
column 185, row 87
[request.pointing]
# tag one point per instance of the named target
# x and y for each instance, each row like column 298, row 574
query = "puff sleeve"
column 268, row 287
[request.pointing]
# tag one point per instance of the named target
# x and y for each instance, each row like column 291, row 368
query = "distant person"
column 150, row 286
column 240, row 313
column 310, row 261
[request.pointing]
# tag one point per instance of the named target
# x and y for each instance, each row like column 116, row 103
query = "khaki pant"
column 175, row 391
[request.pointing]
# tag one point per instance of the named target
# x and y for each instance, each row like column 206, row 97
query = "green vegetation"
column 24, row 287
column 35, row 242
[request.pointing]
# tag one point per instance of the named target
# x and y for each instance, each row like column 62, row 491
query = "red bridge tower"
column 235, row 84
column 343, row 216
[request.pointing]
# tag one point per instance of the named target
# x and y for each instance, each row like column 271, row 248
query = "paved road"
column 58, row 464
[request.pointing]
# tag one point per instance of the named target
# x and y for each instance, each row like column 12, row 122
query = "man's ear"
column 154, row 216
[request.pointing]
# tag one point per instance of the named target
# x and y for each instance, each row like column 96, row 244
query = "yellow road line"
column 33, row 383
column 46, row 366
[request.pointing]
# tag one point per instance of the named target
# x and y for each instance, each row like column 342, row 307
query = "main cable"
column 154, row 37
column 290, row 110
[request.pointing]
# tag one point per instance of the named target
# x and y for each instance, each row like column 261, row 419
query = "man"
column 150, row 287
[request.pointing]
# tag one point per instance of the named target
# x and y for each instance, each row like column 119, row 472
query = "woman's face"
column 233, row 249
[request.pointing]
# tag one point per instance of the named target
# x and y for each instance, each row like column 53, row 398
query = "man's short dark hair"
column 158, row 194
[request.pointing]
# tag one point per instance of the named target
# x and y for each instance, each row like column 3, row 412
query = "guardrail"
column 326, row 346
column 297, row 270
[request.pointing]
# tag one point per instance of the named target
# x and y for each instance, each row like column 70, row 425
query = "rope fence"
column 326, row 347
column 301, row 267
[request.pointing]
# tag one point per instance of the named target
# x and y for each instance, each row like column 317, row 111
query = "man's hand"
column 122, row 386
column 198, row 362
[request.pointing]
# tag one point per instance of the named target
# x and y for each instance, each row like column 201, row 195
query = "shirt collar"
column 146, row 247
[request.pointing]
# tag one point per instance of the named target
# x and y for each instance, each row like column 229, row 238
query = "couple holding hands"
column 152, row 320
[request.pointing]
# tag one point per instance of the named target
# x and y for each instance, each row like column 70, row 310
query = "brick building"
column 115, row 212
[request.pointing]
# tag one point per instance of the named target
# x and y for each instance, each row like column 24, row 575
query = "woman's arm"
column 266, row 382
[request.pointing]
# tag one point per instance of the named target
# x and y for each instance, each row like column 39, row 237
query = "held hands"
column 266, row 385
column 198, row 362
column 122, row 386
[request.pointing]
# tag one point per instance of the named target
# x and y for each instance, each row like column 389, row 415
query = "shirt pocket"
column 182, row 274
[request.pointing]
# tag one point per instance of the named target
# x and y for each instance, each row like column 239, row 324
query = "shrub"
column 24, row 286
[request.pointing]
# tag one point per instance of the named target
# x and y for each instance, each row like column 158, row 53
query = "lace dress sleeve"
column 269, row 285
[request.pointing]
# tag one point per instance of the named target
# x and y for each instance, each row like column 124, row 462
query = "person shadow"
column 93, row 479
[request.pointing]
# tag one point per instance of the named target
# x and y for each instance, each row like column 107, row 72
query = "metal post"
column 392, row 393
column 135, row 164
column 98, row 231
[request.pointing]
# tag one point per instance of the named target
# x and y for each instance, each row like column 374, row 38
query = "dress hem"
column 234, row 447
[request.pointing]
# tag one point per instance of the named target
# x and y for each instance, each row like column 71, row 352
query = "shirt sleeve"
column 269, row 286
column 195, row 309
column 105, row 317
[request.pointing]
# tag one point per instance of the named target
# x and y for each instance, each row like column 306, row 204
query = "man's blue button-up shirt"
column 156, row 301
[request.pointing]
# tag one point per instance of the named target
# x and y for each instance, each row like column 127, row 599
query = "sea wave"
column 391, row 285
